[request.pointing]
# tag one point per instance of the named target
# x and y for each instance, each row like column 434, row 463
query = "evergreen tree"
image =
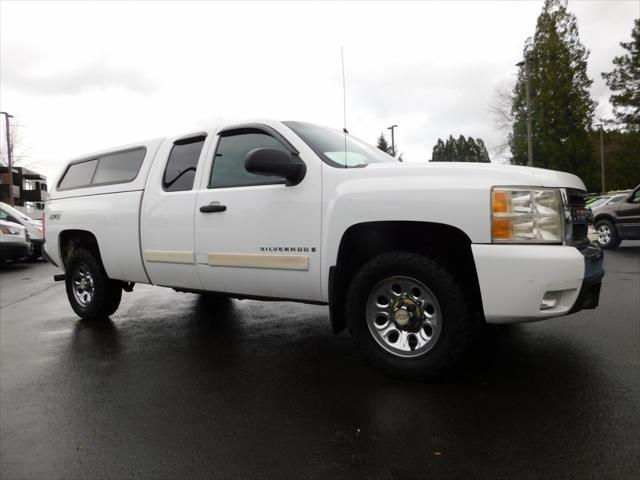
column 622, row 145
column 438, row 152
column 621, row 160
column 624, row 81
column 561, row 108
column 383, row 145
column 460, row 150
column 460, row 147
column 482, row 155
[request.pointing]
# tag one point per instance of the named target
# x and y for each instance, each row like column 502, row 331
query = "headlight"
column 526, row 215
column 10, row 230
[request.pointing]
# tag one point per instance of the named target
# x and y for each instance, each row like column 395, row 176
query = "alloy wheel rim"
column 403, row 316
column 83, row 285
column 604, row 234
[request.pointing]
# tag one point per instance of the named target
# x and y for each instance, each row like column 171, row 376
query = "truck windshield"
column 338, row 149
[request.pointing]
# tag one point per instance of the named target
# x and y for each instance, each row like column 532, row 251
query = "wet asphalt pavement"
column 174, row 387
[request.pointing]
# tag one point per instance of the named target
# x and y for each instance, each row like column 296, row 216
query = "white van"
column 34, row 227
column 14, row 242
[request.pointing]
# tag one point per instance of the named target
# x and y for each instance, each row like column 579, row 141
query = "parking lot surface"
column 174, row 386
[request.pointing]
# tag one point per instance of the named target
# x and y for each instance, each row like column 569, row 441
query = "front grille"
column 581, row 217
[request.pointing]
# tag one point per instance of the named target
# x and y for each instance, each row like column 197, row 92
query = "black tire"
column 456, row 321
column 607, row 234
column 216, row 300
column 36, row 253
column 216, row 297
column 105, row 293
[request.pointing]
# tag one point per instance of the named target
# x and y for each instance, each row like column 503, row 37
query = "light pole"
column 602, row 156
column 9, row 155
column 528, row 97
column 393, row 140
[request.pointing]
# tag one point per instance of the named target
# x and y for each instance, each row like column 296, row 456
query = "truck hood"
column 490, row 173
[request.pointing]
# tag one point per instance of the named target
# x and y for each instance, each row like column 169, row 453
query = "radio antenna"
column 344, row 106
column 344, row 91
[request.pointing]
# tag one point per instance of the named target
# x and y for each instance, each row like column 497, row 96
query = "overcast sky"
column 82, row 76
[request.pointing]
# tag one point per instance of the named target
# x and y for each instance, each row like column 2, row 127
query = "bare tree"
column 18, row 147
column 501, row 109
column 501, row 105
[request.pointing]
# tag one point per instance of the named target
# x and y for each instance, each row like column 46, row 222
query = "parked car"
column 407, row 255
column 618, row 220
column 610, row 199
column 34, row 227
column 14, row 242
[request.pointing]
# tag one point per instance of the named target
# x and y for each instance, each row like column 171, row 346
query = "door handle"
column 213, row 207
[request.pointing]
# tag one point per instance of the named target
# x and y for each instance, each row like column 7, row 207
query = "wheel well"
column 448, row 245
column 603, row 216
column 72, row 240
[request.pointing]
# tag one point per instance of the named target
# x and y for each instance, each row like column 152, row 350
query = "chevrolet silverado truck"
column 408, row 256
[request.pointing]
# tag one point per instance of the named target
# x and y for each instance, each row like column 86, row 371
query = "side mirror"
column 271, row 162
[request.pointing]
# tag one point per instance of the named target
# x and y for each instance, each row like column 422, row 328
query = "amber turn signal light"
column 501, row 229
column 500, row 202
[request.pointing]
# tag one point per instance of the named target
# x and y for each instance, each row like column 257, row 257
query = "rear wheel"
column 91, row 293
column 607, row 234
column 408, row 314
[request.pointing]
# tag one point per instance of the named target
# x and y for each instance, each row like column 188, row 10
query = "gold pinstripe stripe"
column 276, row 262
column 168, row 256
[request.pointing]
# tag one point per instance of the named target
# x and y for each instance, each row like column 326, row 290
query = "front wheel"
column 36, row 252
column 91, row 293
column 408, row 314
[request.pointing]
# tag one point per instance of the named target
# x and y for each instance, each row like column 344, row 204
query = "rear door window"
column 182, row 164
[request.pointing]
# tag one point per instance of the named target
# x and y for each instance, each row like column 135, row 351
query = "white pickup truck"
column 407, row 255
